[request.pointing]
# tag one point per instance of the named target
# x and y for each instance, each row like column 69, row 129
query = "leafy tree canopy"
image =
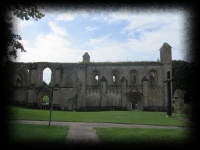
column 44, row 83
column 184, row 75
column 24, row 11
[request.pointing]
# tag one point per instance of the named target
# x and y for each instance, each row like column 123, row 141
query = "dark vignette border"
column 192, row 38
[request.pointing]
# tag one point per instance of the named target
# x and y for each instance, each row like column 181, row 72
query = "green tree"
column 184, row 75
column 24, row 11
column 180, row 72
column 44, row 83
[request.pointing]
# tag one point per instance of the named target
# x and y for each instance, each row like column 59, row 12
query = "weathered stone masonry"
column 96, row 86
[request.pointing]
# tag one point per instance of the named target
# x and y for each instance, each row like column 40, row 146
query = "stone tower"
column 166, row 60
column 165, row 53
column 86, row 57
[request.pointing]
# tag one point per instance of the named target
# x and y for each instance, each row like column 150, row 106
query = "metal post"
column 51, row 107
column 169, row 112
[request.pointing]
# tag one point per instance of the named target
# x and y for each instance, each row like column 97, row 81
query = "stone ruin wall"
column 78, row 89
column 73, row 87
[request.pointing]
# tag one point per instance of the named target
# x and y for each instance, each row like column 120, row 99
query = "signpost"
column 51, row 108
column 169, row 112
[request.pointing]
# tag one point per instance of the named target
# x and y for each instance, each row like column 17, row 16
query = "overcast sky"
column 123, row 35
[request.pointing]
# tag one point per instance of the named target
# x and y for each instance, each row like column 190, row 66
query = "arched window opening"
column 152, row 78
column 96, row 79
column 114, row 78
column 45, row 102
column 47, row 76
column 133, row 77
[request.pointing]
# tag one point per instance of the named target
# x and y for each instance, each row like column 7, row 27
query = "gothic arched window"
column 133, row 77
column 115, row 77
column 47, row 76
column 152, row 77
column 95, row 77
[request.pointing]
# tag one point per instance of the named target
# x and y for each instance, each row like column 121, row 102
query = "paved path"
column 83, row 134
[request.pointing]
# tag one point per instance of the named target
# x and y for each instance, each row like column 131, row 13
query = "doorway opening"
column 45, row 102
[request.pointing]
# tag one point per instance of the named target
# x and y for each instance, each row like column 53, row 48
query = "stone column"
column 33, row 77
column 31, row 97
column 103, row 92
column 31, row 90
column 123, row 92
column 80, row 78
column 145, row 91
column 55, row 96
column 57, row 75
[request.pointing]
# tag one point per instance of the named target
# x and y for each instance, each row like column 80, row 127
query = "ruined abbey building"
column 92, row 86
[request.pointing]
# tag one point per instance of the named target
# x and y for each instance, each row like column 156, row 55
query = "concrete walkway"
column 82, row 134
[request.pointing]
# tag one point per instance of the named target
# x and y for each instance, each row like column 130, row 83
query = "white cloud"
column 144, row 21
column 105, row 49
column 47, row 47
column 51, row 41
column 99, row 41
column 56, row 29
column 146, row 47
column 152, row 41
column 90, row 29
column 50, row 48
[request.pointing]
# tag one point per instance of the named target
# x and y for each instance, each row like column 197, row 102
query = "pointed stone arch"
column 133, row 76
column 95, row 77
column 42, row 93
column 135, row 100
column 115, row 77
column 50, row 77
column 22, row 78
column 153, row 77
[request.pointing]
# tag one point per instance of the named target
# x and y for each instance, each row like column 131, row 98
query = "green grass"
column 29, row 134
column 32, row 134
column 142, row 137
column 123, row 117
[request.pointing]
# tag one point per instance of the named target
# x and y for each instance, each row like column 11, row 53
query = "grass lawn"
column 142, row 137
column 125, row 117
column 33, row 134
